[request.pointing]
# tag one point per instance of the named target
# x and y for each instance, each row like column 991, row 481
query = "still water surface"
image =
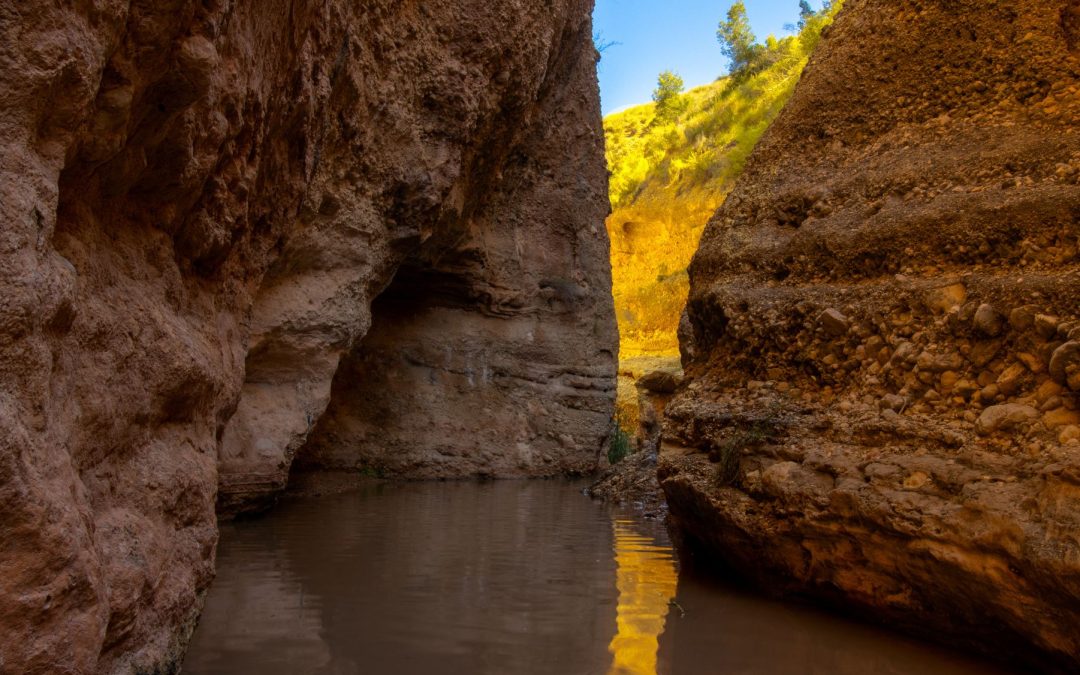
column 504, row 578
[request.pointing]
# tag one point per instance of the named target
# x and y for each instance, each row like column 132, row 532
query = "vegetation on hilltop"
column 674, row 160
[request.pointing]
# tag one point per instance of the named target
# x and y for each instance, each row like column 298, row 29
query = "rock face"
column 492, row 352
column 881, row 341
column 201, row 202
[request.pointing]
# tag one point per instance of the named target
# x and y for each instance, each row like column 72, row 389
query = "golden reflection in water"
column 646, row 579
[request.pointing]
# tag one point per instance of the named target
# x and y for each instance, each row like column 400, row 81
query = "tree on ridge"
column 737, row 40
column 666, row 95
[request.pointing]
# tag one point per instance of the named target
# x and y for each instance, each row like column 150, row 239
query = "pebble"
column 1033, row 363
column 892, row 402
column 1046, row 326
column 1069, row 435
column 834, row 323
column 988, row 321
column 1061, row 417
column 1048, row 390
column 1004, row 417
column 1010, row 379
column 1022, row 318
column 1064, row 361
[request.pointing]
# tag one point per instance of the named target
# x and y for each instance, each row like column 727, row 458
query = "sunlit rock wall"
column 883, row 401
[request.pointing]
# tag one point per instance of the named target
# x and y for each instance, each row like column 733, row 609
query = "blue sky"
column 679, row 35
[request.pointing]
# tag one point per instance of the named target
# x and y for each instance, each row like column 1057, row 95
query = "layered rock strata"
column 492, row 351
column 882, row 337
column 201, row 201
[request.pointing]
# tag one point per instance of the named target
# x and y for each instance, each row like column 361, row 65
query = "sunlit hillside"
column 671, row 171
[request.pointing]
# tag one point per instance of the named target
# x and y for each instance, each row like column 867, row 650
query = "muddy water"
column 503, row 578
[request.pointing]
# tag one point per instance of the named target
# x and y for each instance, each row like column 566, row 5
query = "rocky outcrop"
column 492, row 352
column 201, row 202
column 883, row 400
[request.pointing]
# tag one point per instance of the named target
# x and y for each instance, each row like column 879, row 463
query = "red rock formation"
column 469, row 367
column 200, row 202
column 882, row 407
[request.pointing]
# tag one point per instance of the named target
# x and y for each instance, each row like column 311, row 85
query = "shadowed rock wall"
column 491, row 352
column 882, row 330
column 200, row 200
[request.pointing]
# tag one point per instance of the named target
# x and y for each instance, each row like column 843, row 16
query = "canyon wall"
column 883, row 334
column 201, row 202
column 492, row 351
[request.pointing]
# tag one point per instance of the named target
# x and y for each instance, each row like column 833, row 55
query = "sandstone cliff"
column 201, row 201
column 883, row 337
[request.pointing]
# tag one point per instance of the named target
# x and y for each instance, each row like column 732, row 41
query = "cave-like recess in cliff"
column 375, row 402
column 450, row 379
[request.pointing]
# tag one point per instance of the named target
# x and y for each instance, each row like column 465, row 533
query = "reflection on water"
column 646, row 579
column 503, row 578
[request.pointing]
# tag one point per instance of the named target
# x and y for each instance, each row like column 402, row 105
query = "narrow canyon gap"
column 201, row 203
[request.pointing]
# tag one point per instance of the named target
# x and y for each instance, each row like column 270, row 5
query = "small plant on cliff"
column 728, row 454
column 372, row 472
column 620, row 446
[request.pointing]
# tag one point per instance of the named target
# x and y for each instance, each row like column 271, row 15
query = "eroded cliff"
column 882, row 337
column 201, row 202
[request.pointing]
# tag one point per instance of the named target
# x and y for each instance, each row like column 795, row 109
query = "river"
column 503, row 578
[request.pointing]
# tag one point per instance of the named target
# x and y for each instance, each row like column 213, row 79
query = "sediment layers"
column 883, row 398
column 201, row 202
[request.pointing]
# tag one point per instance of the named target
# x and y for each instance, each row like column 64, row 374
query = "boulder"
column 1005, row 417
